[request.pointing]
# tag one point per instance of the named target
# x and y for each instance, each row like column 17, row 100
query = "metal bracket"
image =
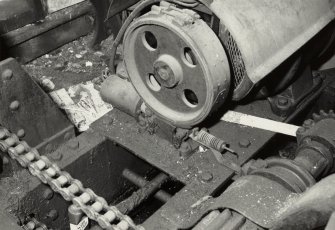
column 26, row 109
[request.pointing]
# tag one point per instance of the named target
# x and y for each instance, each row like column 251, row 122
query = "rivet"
column 21, row 133
column 14, row 105
column 7, row 74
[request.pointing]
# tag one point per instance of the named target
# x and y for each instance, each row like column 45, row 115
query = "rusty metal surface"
column 143, row 194
column 257, row 198
column 113, row 143
column 26, row 106
column 200, row 173
column 91, row 158
column 268, row 32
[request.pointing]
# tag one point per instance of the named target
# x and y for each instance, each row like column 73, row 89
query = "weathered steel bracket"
column 27, row 110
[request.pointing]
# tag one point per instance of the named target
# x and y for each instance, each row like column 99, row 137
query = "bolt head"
column 206, row 177
column 282, row 101
column 21, row 133
column 14, row 105
column 7, row 74
column 244, row 143
column 165, row 73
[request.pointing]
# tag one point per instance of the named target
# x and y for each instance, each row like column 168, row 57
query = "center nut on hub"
column 176, row 64
column 168, row 71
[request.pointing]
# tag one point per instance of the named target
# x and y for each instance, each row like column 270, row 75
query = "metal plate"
column 26, row 106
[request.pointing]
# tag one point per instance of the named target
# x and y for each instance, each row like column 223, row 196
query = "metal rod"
column 219, row 220
column 142, row 194
column 133, row 201
column 207, row 220
column 141, row 182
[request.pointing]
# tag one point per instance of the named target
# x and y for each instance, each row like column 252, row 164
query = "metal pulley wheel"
column 177, row 64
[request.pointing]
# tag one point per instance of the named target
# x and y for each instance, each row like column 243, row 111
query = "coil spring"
column 210, row 141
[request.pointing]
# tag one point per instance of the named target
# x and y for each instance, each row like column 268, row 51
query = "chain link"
column 95, row 207
column 34, row 224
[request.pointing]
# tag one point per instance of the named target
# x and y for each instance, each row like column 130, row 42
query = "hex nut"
column 206, row 176
column 244, row 143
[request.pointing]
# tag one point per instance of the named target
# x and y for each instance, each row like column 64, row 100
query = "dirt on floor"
column 72, row 63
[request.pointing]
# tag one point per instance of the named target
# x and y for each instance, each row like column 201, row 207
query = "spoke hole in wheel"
column 150, row 40
column 189, row 56
column 190, row 98
column 153, row 83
